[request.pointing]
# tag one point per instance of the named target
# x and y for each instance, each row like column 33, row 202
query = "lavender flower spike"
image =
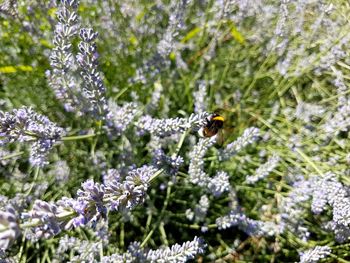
column 219, row 184
column 263, row 170
column 177, row 253
column 167, row 127
column 9, row 229
column 120, row 117
column 195, row 169
column 249, row 136
column 94, row 90
column 127, row 194
column 249, row 226
column 315, row 254
column 174, row 254
column 25, row 125
column 61, row 78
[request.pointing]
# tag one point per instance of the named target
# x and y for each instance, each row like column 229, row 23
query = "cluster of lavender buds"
column 249, row 226
column 200, row 97
column 83, row 250
column 81, row 95
column 167, row 44
column 167, row 127
column 249, row 136
column 315, row 254
column 174, row 254
column 338, row 121
column 327, row 190
column 308, row 112
column 9, row 228
column 91, row 205
column 170, row 163
column 93, row 88
column 200, row 210
column 9, row 7
column 264, row 170
column 120, row 117
column 196, row 171
column 219, row 184
column 25, row 125
column 291, row 211
column 62, row 78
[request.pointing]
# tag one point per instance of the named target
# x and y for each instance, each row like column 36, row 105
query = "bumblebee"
column 213, row 124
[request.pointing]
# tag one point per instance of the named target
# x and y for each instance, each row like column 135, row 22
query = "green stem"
column 181, row 141
column 78, row 137
column 155, row 175
column 36, row 174
column 11, row 155
column 338, row 258
column 165, row 204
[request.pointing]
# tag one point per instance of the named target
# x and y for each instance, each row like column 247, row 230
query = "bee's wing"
column 220, row 138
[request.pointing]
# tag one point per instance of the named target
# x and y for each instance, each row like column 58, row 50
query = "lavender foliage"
column 133, row 82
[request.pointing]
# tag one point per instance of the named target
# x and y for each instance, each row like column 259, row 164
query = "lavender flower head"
column 196, row 168
column 124, row 195
column 93, row 90
column 249, row 226
column 200, row 98
column 62, row 78
column 9, row 228
column 85, row 95
column 177, row 253
column 170, row 163
column 219, row 184
column 249, row 136
column 120, row 117
column 263, row 170
column 315, row 254
column 90, row 203
column 167, row 127
column 25, row 125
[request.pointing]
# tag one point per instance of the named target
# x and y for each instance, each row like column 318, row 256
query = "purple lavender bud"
column 167, row 127
column 90, row 205
column 315, row 254
column 170, row 163
column 177, row 253
column 112, row 175
column 120, row 117
column 249, row 226
column 93, row 89
column 201, row 209
column 127, row 194
column 9, row 228
column 249, row 136
column 219, row 184
column 264, row 170
column 196, row 168
column 45, row 214
column 200, row 97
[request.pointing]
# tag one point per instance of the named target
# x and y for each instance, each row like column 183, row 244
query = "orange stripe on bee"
column 218, row 118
